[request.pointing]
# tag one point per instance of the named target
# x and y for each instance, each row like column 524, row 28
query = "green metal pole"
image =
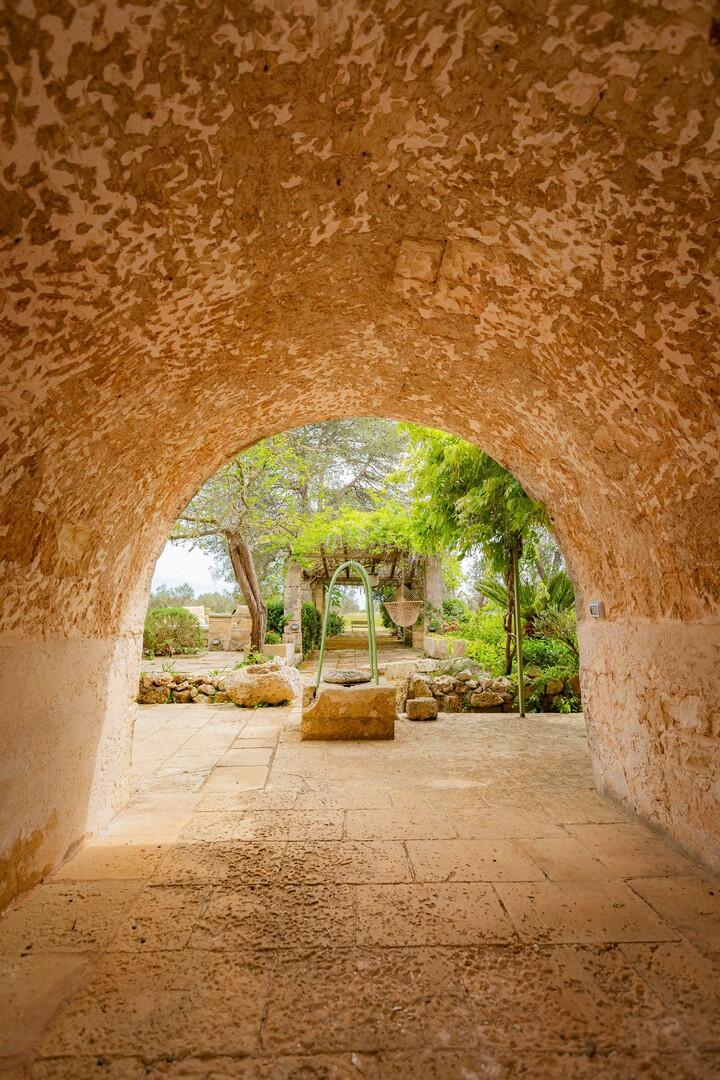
column 372, row 644
column 518, row 631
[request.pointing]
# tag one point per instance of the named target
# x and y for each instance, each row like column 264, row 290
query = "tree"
column 179, row 595
column 465, row 500
column 249, row 515
column 171, row 596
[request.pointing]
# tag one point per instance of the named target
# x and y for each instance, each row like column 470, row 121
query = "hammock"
column 402, row 610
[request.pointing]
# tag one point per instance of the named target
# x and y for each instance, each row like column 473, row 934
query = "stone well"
column 364, row 711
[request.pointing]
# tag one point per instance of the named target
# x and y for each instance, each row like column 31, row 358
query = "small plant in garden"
column 251, row 658
column 272, row 638
column 169, row 667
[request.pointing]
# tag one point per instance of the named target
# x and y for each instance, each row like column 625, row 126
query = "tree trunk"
column 508, row 624
column 243, row 566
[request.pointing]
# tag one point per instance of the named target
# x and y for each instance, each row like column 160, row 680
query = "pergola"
column 386, row 565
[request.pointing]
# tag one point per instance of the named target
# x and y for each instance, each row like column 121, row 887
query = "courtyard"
column 458, row 902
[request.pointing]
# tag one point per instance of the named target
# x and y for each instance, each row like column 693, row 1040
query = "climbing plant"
column 464, row 500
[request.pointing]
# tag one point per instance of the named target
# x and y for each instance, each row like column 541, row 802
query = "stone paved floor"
column 456, row 904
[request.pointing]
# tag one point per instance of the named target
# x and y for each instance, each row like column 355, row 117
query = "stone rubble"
column 273, row 683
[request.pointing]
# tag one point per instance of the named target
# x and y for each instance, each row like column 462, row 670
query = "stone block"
column 485, row 699
column 422, row 708
column 418, row 687
column 451, row 703
column 264, row 684
column 444, row 684
column 365, row 711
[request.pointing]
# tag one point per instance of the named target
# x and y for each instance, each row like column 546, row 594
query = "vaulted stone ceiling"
column 222, row 220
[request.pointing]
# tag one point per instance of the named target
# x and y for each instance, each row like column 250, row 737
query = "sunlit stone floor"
column 458, row 903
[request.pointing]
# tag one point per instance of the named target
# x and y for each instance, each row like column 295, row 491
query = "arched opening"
column 109, row 534
column 496, row 220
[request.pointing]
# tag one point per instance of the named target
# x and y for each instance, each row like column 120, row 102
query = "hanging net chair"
column 402, row 610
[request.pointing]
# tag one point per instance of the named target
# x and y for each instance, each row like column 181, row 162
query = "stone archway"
column 484, row 220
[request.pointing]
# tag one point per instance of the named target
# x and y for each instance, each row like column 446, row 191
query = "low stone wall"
column 286, row 650
column 443, row 648
column 163, row 688
column 465, row 691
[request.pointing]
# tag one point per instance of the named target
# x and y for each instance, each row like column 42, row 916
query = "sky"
column 179, row 564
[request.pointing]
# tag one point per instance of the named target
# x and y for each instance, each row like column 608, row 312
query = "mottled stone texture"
column 498, row 218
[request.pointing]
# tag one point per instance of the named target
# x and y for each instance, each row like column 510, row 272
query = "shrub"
column 559, row 625
column 489, row 655
column 251, row 658
column 276, row 617
column 272, row 637
column 454, row 610
column 172, row 630
column 484, row 631
column 544, row 652
column 336, row 623
column 546, row 696
column 542, row 693
column 311, row 627
column 486, row 637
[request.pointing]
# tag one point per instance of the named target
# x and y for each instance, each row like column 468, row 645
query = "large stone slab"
column 366, row 711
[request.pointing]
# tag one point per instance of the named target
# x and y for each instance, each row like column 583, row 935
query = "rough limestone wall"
column 497, row 218
column 658, row 682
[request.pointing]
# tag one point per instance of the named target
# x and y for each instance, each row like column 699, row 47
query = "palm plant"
column 536, row 600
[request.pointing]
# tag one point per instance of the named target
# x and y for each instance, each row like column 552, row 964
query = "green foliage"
column 453, row 609
column 172, row 630
column 177, row 595
column 166, row 596
column 336, row 623
column 541, row 699
column 311, row 627
column 465, row 499
column 276, row 617
column 559, row 626
column 251, row 657
column 269, row 492
column 484, row 632
column 389, row 525
column 432, row 616
column 381, row 594
column 490, row 655
column 536, row 598
column 544, row 652
column 560, row 592
column 272, row 637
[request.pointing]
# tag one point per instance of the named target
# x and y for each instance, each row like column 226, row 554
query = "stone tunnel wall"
column 497, row 219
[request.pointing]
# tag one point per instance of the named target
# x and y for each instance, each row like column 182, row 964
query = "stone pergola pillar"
column 292, row 604
column 318, row 596
column 433, row 593
column 434, row 585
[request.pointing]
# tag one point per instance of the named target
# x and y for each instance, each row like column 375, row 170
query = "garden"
column 371, row 485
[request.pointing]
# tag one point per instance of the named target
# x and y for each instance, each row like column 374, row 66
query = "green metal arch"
column 372, row 644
